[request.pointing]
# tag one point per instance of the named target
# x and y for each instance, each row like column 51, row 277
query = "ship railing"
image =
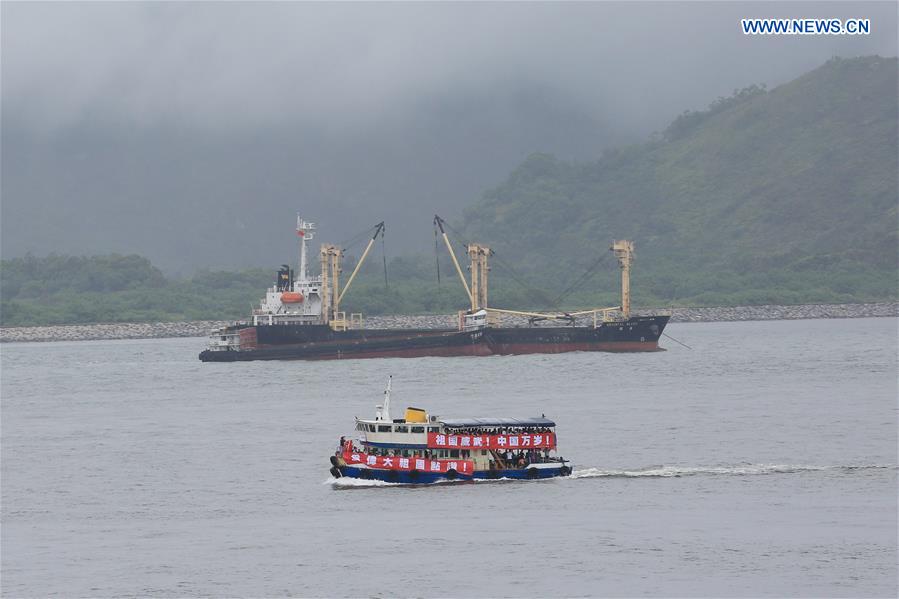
column 356, row 320
column 223, row 342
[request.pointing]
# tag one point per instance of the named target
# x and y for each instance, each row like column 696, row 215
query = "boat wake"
column 650, row 472
column 731, row 470
column 346, row 482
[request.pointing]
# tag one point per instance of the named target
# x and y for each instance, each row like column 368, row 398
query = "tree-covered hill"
column 787, row 195
column 112, row 288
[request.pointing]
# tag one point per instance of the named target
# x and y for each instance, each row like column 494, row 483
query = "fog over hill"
column 193, row 133
column 770, row 196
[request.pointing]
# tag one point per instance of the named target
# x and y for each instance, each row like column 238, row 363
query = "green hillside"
column 67, row 289
column 787, row 195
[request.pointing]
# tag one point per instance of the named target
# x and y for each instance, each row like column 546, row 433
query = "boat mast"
column 479, row 269
column 385, row 412
column 330, row 259
column 306, row 232
column 624, row 251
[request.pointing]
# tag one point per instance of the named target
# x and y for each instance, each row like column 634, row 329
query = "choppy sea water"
column 761, row 462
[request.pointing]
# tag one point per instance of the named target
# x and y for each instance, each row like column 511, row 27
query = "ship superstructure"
column 295, row 298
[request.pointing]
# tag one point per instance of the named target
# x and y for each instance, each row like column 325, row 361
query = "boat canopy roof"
column 479, row 422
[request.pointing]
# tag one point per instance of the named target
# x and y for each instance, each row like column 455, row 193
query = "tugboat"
column 421, row 448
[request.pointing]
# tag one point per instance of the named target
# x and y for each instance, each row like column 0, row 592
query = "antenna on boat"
column 385, row 412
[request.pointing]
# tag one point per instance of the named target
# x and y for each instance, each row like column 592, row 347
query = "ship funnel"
column 416, row 415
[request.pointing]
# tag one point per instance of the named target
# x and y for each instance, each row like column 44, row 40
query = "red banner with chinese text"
column 496, row 442
column 403, row 463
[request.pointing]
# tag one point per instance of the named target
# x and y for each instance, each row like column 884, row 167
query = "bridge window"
column 433, row 429
column 383, row 428
column 418, row 429
column 401, row 429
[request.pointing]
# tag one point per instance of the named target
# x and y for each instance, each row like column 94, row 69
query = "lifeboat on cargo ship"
column 421, row 448
column 292, row 297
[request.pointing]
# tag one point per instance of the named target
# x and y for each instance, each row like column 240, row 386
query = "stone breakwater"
column 125, row 330
column 202, row 328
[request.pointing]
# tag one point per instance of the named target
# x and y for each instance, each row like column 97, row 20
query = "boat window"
column 371, row 428
column 483, row 452
column 418, row 429
column 433, row 429
column 401, row 429
column 383, row 428
column 454, row 453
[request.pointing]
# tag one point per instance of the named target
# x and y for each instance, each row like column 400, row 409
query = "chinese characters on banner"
column 394, row 462
column 515, row 442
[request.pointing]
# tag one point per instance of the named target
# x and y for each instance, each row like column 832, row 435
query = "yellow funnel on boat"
column 416, row 415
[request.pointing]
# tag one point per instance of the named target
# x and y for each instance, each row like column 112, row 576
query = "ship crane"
column 477, row 293
column 331, row 258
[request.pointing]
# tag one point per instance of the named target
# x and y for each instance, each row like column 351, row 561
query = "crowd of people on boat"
column 523, row 458
column 499, row 430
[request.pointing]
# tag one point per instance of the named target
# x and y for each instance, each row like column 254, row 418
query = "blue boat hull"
column 423, row 478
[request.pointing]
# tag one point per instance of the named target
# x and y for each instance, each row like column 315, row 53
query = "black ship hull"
column 319, row 342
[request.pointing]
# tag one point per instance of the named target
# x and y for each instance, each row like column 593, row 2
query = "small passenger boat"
column 421, row 448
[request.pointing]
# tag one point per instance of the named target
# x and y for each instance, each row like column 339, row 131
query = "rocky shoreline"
column 88, row 332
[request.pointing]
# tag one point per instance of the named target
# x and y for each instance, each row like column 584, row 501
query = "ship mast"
column 479, row 269
column 330, row 259
column 624, row 251
column 385, row 412
column 306, row 232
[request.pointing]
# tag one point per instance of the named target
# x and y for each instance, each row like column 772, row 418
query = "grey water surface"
column 760, row 463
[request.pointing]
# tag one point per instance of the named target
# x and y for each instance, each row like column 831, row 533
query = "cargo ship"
column 300, row 318
column 422, row 448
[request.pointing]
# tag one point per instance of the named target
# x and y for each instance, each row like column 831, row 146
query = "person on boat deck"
column 342, row 442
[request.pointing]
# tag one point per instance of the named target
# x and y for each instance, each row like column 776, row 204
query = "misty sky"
column 193, row 132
